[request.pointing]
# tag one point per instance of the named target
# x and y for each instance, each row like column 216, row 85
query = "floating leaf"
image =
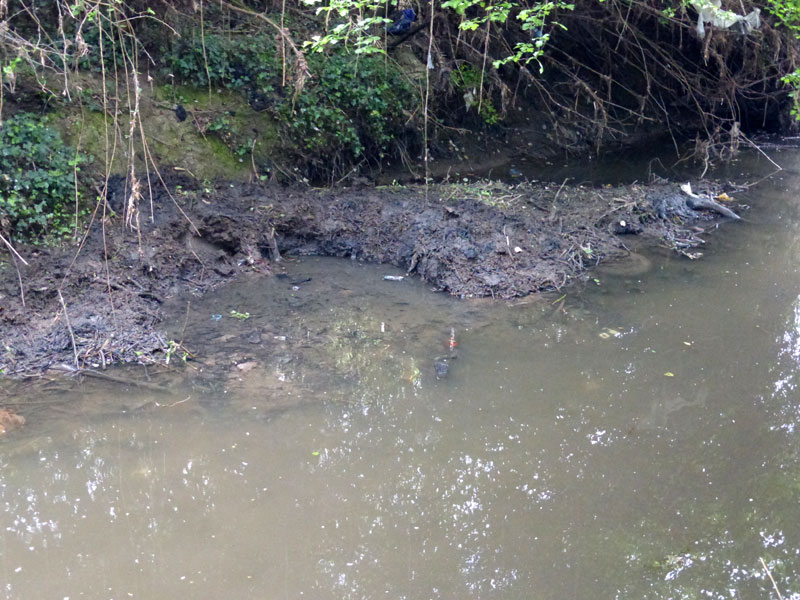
column 315, row 453
column 668, row 374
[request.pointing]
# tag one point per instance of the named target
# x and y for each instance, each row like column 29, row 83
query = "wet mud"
column 102, row 302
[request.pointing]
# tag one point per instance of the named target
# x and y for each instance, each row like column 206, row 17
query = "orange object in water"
column 452, row 343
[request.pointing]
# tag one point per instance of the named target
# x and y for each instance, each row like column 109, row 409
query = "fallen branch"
column 696, row 202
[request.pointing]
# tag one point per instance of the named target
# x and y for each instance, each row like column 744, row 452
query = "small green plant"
column 240, row 315
column 793, row 81
column 37, row 178
column 467, row 79
column 174, row 348
column 220, row 123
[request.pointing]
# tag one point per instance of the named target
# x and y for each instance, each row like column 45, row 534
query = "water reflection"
column 637, row 441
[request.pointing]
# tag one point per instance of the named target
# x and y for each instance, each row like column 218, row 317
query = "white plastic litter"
column 710, row 11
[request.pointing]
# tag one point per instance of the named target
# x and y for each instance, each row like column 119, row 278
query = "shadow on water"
column 635, row 439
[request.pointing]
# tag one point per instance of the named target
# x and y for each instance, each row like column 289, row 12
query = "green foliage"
column 358, row 105
column 37, row 177
column 354, row 25
column 10, row 69
column 489, row 11
column 788, row 13
column 793, row 81
column 466, row 78
column 175, row 348
column 118, row 46
column 533, row 21
column 237, row 63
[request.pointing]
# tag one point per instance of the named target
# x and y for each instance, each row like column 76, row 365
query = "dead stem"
column 19, row 278
column 203, row 44
column 13, row 250
column 69, row 328
column 774, row 585
column 427, row 100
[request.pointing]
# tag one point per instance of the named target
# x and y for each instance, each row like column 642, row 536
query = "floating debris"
column 10, row 421
column 608, row 333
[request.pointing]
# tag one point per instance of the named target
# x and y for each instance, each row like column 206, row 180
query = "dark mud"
column 103, row 303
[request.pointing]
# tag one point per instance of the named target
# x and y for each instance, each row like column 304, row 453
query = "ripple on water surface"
column 637, row 440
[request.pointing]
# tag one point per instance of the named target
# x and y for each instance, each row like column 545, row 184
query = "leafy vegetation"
column 788, row 13
column 37, row 177
column 356, row 104
column 468, row 80
column 342, row 92
column 246, row 63
column 356, row 109
column 357, row 22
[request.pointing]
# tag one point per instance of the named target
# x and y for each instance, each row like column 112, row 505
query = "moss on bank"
column 213, row 141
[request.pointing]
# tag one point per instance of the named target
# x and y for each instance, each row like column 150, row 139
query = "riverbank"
column 102, row 303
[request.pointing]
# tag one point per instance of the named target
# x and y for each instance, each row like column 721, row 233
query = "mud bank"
column 102, row 303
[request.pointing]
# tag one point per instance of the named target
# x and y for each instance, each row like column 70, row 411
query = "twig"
column 764, row 154
column 14, row 256
column 483, row 64
column 749, row 185
column 774, row 585
column 351, row 171
column 283, row 44
column 19, row 277
column 10, row 247
column 203, row 44
column 273, row 246
column 253, row 158
column 123, row 381
column 69, row 328
column 302, row 64
column 427, row 97
column 563, row 183
column 554, row 208
column 174, row 403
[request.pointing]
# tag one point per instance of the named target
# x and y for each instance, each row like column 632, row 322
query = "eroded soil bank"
column 103, row 303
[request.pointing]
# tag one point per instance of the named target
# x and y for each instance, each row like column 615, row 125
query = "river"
column 634, row 439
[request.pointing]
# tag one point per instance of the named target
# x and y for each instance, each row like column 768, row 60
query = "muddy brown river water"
column 637, row 439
